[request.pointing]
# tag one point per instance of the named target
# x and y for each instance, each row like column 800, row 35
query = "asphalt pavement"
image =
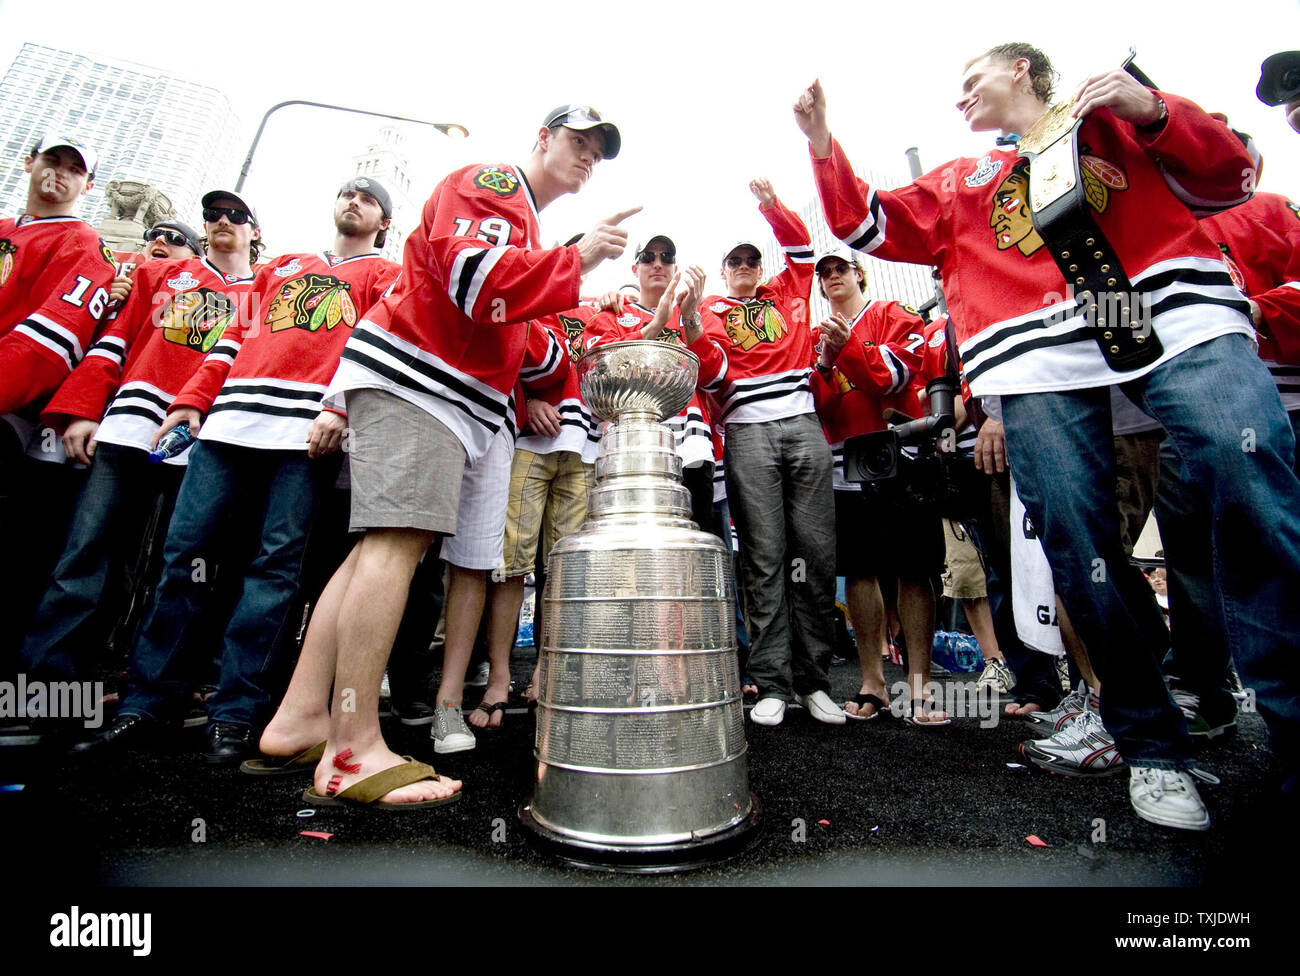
column 867, row 803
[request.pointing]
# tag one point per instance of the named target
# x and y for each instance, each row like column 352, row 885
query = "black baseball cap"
column 738, row 245
column 191, row 238
column 582, row 118
column 364, row 184
column 213, row 195
column 1279, row 78
column 672, row 248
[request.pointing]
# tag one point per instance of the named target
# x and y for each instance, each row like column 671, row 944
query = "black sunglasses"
column 648, row 257
column 213, row 214
column 735, row 261
column 172, row 237
column 834, row 269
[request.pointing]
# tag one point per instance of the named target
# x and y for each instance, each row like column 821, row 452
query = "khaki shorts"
column 481, row 521
column 547, row 491
column 406, row 467
column 963, row 575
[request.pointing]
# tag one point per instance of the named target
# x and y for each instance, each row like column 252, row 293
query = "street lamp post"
column 450, row 129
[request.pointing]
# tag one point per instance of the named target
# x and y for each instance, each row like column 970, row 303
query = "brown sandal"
column 368, row 792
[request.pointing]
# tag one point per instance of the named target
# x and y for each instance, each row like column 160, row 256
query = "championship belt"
column 1086, row 259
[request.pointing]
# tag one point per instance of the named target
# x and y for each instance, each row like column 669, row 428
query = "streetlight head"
column 453, row 131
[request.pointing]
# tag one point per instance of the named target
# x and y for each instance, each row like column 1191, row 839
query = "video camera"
column 875, row 457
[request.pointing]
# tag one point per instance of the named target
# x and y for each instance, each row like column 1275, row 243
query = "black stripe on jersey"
column 402, row 379
column 799, row 253
column 749, row 398
column 1182, row 299
column 466, row 282
column 270, row 390
column 553, row 354
column 1063, row 339
column 374, row 337
column 134, row 410
column 139, row 393
column 1279, row 370
column 869, row 237
column 301, row 413
column 1186, row 276
column 53, row 336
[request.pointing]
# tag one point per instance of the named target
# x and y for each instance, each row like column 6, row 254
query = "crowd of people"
column 242, row 476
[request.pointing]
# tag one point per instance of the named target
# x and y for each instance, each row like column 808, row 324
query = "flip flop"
column 303, row 762
column 881, row 708
column 483, row 706
column 366, row 793
column 918, row 705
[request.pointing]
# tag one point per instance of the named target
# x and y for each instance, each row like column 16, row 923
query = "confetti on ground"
column 1087, row 852
column 823, row 823
column 319, row 834
column 1036, row 840
column 307, row 813
column 1016, row 766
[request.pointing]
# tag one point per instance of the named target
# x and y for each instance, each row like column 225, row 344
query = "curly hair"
column 1041, row 73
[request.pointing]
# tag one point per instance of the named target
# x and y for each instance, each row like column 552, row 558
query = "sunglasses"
column 750, row 260
column 172, row 237
column 830, row 272
column 213, row 214
column 648, row 257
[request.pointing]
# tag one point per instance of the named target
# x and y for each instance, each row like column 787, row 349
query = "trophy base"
column 644, row 858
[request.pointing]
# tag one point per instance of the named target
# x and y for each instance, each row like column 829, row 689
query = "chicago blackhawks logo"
column 310, row 302
column 497, row 180
column 196, row 319
column 754, row 322
column 7, row 251
column 1293, row 208
column 573, row 329
column 1011, row 221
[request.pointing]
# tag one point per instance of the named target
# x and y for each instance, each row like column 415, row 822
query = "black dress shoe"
column 228, row 743
column 126, row 730
column 413, row 712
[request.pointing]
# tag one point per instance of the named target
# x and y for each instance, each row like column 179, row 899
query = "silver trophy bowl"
column 640, row 746
column 643, row 377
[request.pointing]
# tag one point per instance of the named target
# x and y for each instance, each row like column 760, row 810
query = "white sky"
column 701, row 92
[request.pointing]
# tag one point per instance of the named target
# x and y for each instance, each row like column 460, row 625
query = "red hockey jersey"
column 1260, row 241
column 756, row 354
column 579, row 429
column 1019, row 328
column 875, row 369
column 54, row 279
column 690, row 428
column 450, row 338
column 176, row 313
column 262, row 385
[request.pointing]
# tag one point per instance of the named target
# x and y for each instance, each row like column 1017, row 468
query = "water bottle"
column 172, row 443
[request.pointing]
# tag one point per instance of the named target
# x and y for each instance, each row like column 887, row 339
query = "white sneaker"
column 449, row 732
column 1167, row 797
column 821, row 708
column 768, row 711
column 996, row 676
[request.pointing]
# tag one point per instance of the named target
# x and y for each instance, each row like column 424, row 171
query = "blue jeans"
column 1225, row 423
column 779, row 492
column 277, row 491
column 88, row 590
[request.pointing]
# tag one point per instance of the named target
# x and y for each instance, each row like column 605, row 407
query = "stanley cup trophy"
column 640, row 732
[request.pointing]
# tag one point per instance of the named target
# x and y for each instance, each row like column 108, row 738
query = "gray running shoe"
column 997, row 676
column 1082, row 748
column 449, row 732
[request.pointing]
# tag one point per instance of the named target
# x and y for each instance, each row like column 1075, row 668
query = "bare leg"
column 303, row 718
column 463, row 609
column 980, row 619
column 503, row 604
column 867, row 614
column 916, row 612
column 369, row 614
column 1075, row 648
